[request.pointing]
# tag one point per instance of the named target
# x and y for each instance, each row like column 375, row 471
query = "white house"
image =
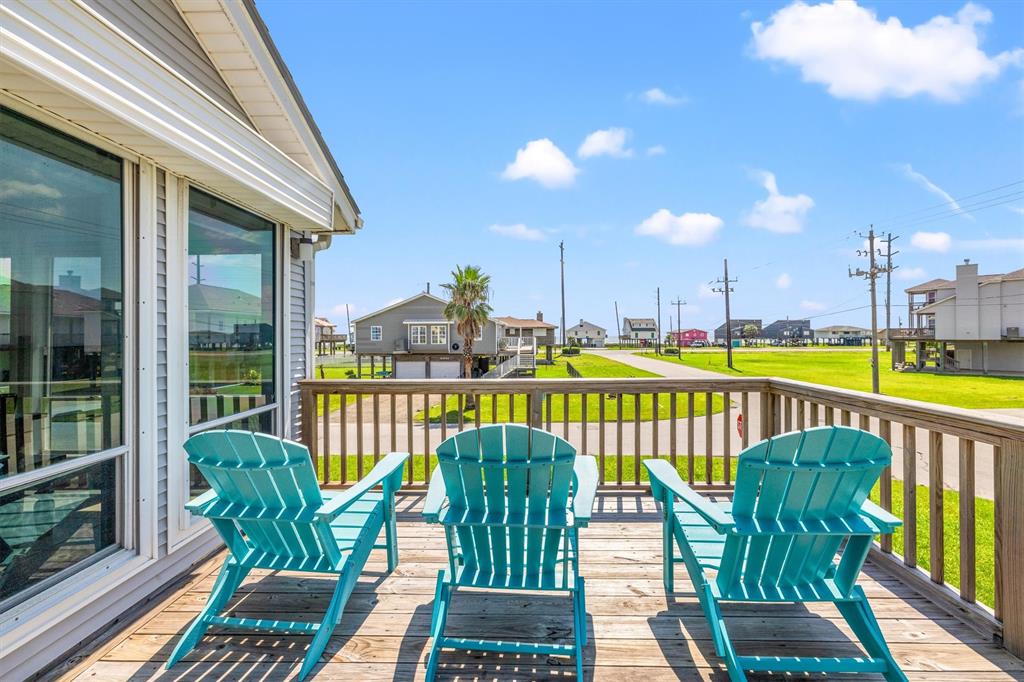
column 642, row 329
column 164, row 192
column 973, row 323
column 587, row 334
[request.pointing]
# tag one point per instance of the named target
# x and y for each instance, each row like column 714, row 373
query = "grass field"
column 984, row 517
column 850, row 369
column 589, row 366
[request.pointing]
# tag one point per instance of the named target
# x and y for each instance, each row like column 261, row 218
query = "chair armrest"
column 665, row 478
column 584, row 488
column 198, row 505
column 387, row 471
column 436, row 495
column 886, row 522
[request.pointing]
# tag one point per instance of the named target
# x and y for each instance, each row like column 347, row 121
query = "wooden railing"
column 941, row 454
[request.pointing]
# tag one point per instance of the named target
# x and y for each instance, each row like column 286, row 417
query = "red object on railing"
column 739, row 425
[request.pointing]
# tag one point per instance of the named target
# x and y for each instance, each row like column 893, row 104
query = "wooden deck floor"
column 637, row 632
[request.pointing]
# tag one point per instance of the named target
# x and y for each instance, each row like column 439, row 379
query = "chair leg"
column 330, row 620
column 230, row 577
column 862, row 621
column 442, row 598
column 720, row 635
column 580, row 616
column 668, row 551
column 391, row 536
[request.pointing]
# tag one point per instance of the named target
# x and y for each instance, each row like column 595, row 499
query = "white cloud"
column 706, row 291
column 656, row 150
column 923, row 181
column 778, row 213
column 932, row 241
column 14, row 189
column 607, row 142
column 856, row 55
column 783, row 281
column 659, row 96
column 688, row 229
column 518, row 231
column 911, row 274
column 543, row 161
column 811, row 306
column 1017, row 209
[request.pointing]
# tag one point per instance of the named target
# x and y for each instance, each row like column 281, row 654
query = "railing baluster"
column 726, row 438
column 672, row 427
column 343, row 438
column 745, row 413
column 512, row 408
column 462, row 407
column 800, row 415
column 636, row 438
column 376, row 427
column 426, row 431
column 709, row 450
column 814, row 414
column 600, row 436
column 830, row 415
column 691, row 406
column 444, row 417
column 885, row 480
column 935, row 516
column 844, row 417
column 409, row 420
column 392, row 402
column 968, row 570
column 476, row 409
column 618, row 438
column 565, row 416
column 494, row 408
column 655, row 423
column 909, row 495
column 788, row 414
column 583, row 424
column 326, row 457
column 359, row 435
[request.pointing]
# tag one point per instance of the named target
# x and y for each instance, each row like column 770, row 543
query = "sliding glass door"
column 62, row 355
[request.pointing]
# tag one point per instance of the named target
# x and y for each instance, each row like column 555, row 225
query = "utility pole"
column 679, row 323
column 889, row 253
column 618, row 325
column 348, row 327
column 726, row 289
column 657, row 342
column 871, row 275
column 561, row 250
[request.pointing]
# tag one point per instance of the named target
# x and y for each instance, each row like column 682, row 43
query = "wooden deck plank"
column 637, row 631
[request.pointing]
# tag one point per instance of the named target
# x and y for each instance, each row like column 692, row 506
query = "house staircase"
column 520, row 359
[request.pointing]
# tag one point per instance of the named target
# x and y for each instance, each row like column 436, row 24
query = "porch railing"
column 943, row 457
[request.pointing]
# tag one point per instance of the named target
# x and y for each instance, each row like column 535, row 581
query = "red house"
column 686, row 337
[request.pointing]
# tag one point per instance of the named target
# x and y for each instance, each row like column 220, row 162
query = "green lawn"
column 984, row 520
column 589, row 366
column 852, row 369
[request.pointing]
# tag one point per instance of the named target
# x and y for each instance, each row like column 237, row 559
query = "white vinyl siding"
column 297, row 340
column 161, row 360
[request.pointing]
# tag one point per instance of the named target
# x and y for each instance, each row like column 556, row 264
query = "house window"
column 418, row 333
column 231, row 313
column 376, row 332
column 62, row 355
column 439, row 334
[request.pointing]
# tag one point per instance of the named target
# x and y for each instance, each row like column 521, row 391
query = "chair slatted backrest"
column 265, row 477
column 789, row 487
column 515, row 480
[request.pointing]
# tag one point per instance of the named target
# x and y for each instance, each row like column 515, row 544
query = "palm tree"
column 468, row 308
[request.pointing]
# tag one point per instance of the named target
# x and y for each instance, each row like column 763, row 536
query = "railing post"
column 1009, row 491
column 536, row 410
column 308, row 416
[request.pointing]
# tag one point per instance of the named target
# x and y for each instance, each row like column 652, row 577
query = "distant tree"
column 749, row 331
column 468, row 308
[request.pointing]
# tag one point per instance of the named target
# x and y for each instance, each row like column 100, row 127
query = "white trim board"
column 156, row 113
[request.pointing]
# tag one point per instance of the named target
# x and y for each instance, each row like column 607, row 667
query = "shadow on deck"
column 637, row 631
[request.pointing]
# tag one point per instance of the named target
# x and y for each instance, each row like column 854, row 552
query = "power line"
column 953, row 202
column 967, row 209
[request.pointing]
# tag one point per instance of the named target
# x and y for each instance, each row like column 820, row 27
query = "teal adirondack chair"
column 265, row 503
column 800, row 498
column 502, row 494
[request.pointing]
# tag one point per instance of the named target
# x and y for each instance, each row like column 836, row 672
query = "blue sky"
column 767, row 133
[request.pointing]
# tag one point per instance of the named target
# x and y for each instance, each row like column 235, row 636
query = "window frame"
column 443, row 337
column 379, row 336
column 127, row 529
column 413, row 334
column 182, row 525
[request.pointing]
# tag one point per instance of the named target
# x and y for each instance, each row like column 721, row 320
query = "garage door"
column 411, row 370
column 446, row 369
